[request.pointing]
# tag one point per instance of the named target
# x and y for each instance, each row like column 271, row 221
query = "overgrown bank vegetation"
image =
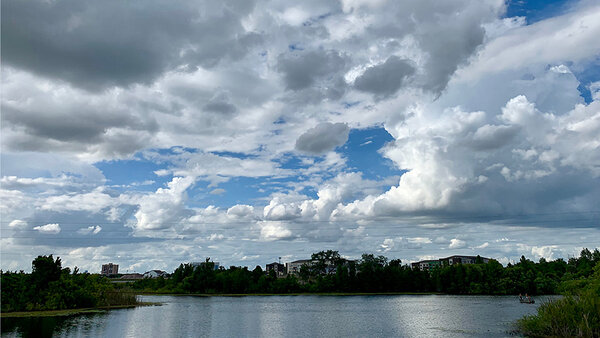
column 576, row 314
column 51, row 287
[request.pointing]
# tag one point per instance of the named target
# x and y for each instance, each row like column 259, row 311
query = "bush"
column 570, row 316
column 577, row 314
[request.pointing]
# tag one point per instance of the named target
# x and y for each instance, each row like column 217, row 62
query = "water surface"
column 290, row 316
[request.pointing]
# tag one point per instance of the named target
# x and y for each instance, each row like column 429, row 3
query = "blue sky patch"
column 362, row 152
column 136, row 172
column 537, row 10
column 589, row 74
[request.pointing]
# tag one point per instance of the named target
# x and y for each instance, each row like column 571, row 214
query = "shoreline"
column 291, row 294
column 71, row 312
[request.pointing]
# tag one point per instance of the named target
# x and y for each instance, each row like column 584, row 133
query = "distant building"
column 277, row 267
column 429, row 264
column 462, row 260
column 198, row 264
column 110, row 269
column 330, row 268
column 294, row 267
column 132, row 276
column 426, row 265
column 154, row 274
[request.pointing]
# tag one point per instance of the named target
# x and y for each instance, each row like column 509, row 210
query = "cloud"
column 546, row 251
column 220, row 70
column 15, row 204
column 456, row 243
column 303, row 70
column 18, row 224
column 445, row 175
column 71, row 41
column 164, row 208
column 270, row 231
column 95, row 201
column 277, row 211
column 386, row 78
column 566, row 37
column 217, row 191
column 52, row 228
column 90, row 230
column 217, row 168
column 493, row 136
column 47, row 116
column 387, row 245
column 14, row 182
column 322, row 138
column 220, row 104
column 483, row 246
column 240, row 211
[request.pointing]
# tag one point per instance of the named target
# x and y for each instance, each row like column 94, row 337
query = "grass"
column 569, row 316
column 118, row 298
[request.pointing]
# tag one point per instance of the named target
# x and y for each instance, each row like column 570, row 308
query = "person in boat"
column 520, row 297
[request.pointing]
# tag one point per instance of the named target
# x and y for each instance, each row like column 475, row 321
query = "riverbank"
column 72, row 312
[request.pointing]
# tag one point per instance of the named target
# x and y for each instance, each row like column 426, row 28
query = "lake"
column 290, row 316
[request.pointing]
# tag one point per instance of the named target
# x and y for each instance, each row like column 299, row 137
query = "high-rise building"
column 110, row 269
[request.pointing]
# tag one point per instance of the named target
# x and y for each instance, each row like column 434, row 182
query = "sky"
column 149, row 135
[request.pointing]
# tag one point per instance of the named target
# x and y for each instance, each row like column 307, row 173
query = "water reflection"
column 65, row 326
column 288, row 316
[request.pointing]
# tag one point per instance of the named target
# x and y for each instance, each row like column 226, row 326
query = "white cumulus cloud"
column 51, row 228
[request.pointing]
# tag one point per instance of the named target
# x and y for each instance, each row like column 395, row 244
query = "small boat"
column 527, row 300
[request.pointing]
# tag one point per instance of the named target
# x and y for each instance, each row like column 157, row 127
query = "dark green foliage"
column 50, row 287
column 524, row 277
column 44, row 271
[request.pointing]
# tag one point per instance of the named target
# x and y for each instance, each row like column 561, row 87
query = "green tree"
column 323, row 261
column 45, row 270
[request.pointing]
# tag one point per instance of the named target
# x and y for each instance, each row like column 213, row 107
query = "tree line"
column 377, row 274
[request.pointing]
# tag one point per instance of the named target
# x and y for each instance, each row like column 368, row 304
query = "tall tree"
column 45, row 270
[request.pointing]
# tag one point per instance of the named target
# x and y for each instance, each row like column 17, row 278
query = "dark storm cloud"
column 303, row 70
column 84, row 126
column 323, row 138
column 97, row 44
column 386, row 78
column 449, row 40
column 448, row 33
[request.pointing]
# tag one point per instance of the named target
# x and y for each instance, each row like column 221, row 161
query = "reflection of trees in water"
column 51, row 326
